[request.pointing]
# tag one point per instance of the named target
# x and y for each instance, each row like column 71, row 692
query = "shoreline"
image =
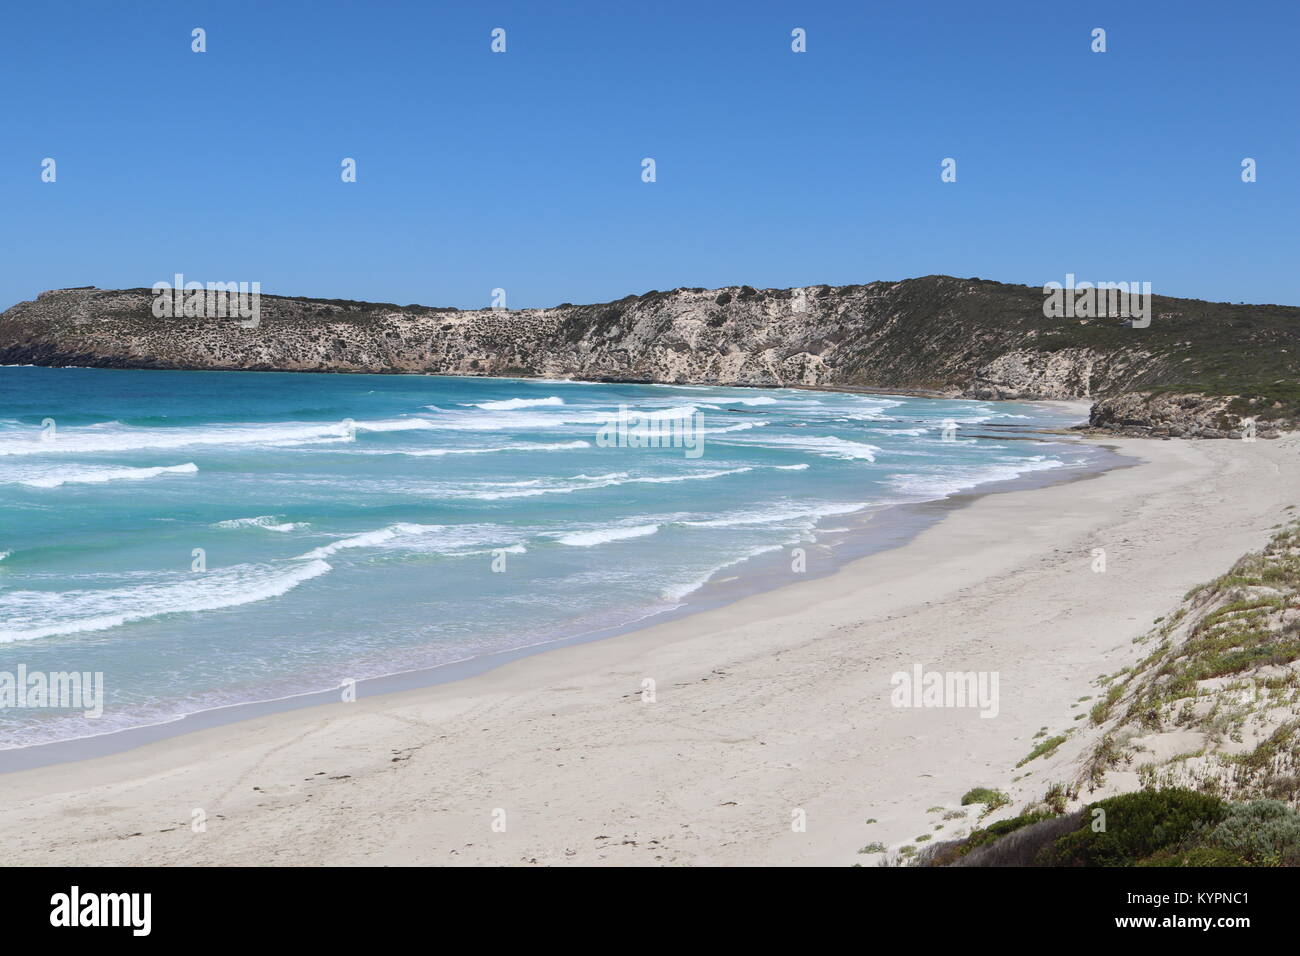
column 777, row 703
column 875, row 530
column 953, row 393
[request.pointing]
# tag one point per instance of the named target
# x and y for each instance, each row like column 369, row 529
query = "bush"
column 1021, row 847
column 1262, row 832
column 993, row 798
column 949, row 852
column 1046, row 747
column 1137, row 826
column 1200, row 856
column 1000, row 829
column 1150, row 828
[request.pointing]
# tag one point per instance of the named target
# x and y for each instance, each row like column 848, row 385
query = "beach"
column 770, row 739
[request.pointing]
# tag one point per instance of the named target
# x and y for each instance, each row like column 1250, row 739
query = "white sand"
column 778, row 702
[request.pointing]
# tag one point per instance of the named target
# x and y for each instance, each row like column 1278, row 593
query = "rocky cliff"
column 967, row 337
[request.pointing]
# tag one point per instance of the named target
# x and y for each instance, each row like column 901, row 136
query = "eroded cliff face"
column 739, row 336
column 957, row 337
column 1180, row 415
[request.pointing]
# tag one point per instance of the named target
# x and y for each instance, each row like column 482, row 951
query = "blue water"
column 349, row 524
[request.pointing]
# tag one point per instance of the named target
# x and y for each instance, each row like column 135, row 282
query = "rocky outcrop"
column 1026, row 373
column 956, row 337
column 1174, row 415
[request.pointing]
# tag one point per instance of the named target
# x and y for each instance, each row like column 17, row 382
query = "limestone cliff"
column 967, row 337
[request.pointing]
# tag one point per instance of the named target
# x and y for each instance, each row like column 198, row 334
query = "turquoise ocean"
column 213, row 538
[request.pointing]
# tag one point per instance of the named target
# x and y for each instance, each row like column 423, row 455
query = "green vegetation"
column 1223, row 667
column 1212, row 348
column 948, row 853
column 1046, row 747
column 1136, row 825
column 1158, row 828
column 991, row 798
column 932, row 332
column 1261, row 833
column 1101, row 710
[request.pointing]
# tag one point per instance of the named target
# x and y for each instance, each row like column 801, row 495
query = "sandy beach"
column 773, row 709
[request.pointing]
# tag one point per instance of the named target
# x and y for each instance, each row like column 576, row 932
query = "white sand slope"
column 776, row 703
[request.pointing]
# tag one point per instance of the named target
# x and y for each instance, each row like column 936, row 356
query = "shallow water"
column 210, row 538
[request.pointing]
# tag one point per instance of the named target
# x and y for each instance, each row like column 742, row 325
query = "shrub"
column 1000, row 829
column 1022, row 846
column 1199, row 856
column 1137, row 826
column 1262, row 832
column 949, row 851
column 992, row 798
column 1044, row 748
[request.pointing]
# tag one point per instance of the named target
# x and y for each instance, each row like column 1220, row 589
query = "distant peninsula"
column 1199, row 369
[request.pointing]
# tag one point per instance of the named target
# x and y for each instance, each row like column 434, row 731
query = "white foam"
column 678, row 592
column 827, row 446
column 91, row 474
column 507, row 420
column 777, row 515
column 427, row 538
column 618, row 478
column 30, row 615
column 699, row 477
column 961, row 477
column 115, row 437
column 587, row 539
column 906, row 432
column 370, row 539
column 265, row 522
column 480, row 421
column 513, row 403
column 534, row 446
column 629, row 413
column 395, row 425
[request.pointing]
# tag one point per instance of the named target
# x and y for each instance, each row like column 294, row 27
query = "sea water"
column 210, row 538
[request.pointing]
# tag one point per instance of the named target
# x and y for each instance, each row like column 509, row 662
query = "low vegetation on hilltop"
column 1197, row 369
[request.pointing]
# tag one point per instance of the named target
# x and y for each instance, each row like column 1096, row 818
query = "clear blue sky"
column 522, row 170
